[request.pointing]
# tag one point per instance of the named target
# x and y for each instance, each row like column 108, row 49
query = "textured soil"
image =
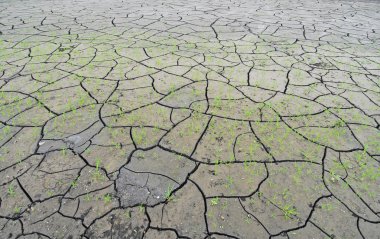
column 189, row 119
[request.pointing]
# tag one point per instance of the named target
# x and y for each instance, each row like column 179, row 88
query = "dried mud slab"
column 151, row 176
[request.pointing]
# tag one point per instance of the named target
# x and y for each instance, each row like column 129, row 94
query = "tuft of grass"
column 17, row 210
column 214, row 201
column 141, row 208
column 218, row 102
column 107, row 198
column 11, row 191
column 289, row 212
column 97, row 175
column 74, row 183
column 168, row 193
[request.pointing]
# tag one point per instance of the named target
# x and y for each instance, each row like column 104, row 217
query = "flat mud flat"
column 189, row 119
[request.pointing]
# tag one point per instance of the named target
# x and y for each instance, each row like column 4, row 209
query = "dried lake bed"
column 189, row 119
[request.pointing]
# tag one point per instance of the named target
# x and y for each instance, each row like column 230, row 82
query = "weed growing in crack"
column 74, row 183
column 118, row 145
column 333, row 172
column 168, row 193
column 216, row 166
column 156, row 129
column 246, row 165
column 171, row 90
column 141, row 208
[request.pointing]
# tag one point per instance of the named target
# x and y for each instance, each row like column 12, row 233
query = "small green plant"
column 87, row 197
column 230, row 182
column 17, row 209
column 11, row 191
column 285, row 194
column 218, row 102
column 216, row 166
column 289, row 212
column 224, row 205
column 327, row 206
column 107, row 198
column 97, row 163
column 172, row 89
column 214, row 201
column 74, row 183
column 248, row 112
column 50, row 193
column 97, row 175
column 128, row 215
column 339, row 123
column 260, row 194
column 141, row 208
column 248, row 219
column 140, row 135
column 64, row 151
column 168, row 193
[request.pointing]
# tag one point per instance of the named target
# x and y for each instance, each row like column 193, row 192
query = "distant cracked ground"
column 189, row 119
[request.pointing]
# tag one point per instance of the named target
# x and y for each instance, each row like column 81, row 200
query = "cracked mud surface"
column 189, row 119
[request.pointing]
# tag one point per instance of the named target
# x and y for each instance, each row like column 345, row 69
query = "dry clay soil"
column 189, row 119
